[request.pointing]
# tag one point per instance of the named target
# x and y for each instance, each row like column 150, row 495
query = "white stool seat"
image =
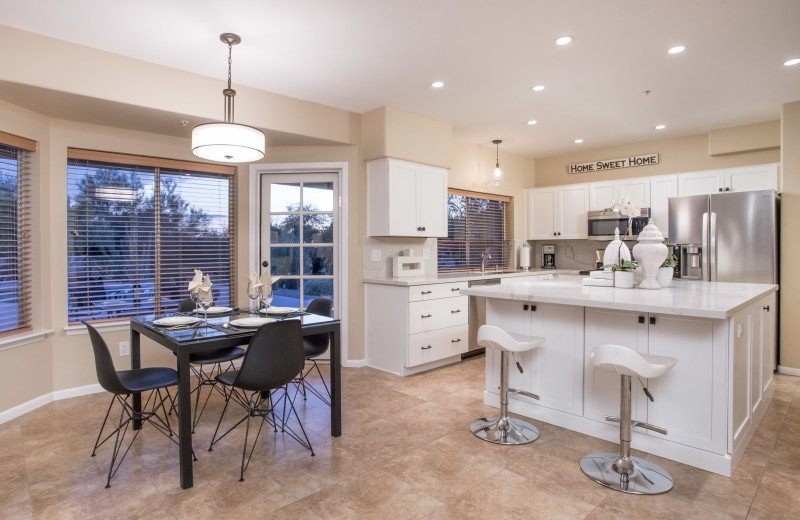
column 627, row 362
column 490, row 336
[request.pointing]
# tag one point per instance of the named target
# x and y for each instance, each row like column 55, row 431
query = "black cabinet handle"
column 426, row 348
column 455, row 311
column 426, row 292
column 455, row 289
column 766, row 308
column 720, row 189
column 423, row 228
column 525, row 307
column 554, row 233
column 533, row 308
column 727, row 189
column 641, row 319
column 559, row 233
column 455, row 340
column 426, row 315
column 652, row 320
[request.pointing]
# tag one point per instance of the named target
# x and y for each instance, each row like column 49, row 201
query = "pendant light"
column 497, row 177
column 228, row 141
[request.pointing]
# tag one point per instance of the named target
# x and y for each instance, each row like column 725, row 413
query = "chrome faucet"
column 486, row 254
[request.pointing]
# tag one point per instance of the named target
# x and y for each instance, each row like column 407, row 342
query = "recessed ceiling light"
column 578, row 141
column 791, row 62
column 437, row 84
column 660, row 127
column 677, row 49
column 538, row 88
column 564, row 40
column 532, row 122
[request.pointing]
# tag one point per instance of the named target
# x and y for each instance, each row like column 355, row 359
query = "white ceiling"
column 359, row 55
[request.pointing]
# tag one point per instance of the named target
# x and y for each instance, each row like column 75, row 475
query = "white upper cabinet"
column 406, row 199
column 662, row 188
column 603, row 194
column 557, row 212
column 745, row 178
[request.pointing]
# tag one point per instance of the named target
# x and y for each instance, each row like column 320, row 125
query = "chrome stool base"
column 506, row 431
column 645, row 478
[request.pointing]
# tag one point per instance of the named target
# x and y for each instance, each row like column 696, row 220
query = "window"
column 476, row 223
column 132, row 252
column 15, row 239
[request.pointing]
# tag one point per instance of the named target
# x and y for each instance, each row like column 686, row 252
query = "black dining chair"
column 215, row 359
column 274, row 358
column 122, row 384
column 313, row 346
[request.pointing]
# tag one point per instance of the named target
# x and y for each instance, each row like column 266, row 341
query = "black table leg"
column 136, row 362
column 184, row 420
column 336, row 384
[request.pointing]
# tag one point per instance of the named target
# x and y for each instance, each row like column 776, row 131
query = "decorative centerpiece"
column 650, row 252
column 617, row 256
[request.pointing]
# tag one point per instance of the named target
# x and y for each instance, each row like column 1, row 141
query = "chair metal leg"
column 622, row 471
column 504, row 429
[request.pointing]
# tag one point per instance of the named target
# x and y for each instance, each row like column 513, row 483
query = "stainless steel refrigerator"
column 727, row 237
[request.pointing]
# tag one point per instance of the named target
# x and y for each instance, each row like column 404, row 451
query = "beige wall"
column 790, row 245
column 472, row 169
column 678, row 155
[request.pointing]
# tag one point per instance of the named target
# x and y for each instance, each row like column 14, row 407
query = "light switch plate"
column 376, row 255
column 124, row 348
column 426, row 253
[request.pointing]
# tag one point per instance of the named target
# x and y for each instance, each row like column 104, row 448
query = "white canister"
column 650, row 253
column 524, row 256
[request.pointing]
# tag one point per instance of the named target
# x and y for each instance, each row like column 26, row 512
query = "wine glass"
column 254, row 294
column 194, row 294
column 206, row 300
column 266, row 297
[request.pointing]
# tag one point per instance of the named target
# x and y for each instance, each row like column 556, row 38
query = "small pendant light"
column 497, row 177
column 228, row 141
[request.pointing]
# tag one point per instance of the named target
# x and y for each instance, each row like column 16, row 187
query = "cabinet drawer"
column 439, row 344
column 435, row 291
column 437, row 314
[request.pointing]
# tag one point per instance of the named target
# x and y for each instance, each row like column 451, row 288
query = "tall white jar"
column 650, row 253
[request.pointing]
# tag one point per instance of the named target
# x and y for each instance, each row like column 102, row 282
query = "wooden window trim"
column 143, row 160
column 479, row 195
column 17, row 141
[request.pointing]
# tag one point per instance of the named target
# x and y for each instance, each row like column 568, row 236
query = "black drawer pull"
column 533, row 308
column 652, row 320
column 426, row 292
column 456, row 289
column 455, row 311
column 766, row 308
column 455, row 340
column 641, row 319
column 525, row 307
column 426, row 315
column 426, row 348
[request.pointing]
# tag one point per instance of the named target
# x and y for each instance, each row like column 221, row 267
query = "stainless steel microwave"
column 602, row 224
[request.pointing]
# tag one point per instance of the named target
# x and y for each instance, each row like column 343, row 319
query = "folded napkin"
column 204, row 291
column 267, row 280
column 197, row 281
column 598, row 282
column 254, row 281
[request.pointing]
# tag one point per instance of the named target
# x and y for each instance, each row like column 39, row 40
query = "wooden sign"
column 614, row 164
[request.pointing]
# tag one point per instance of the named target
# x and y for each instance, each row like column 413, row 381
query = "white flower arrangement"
column 627, row 209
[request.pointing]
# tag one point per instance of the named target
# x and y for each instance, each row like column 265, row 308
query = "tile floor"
column 406, row 452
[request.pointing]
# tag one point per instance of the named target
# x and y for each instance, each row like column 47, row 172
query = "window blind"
column 137, row 229
column 477, row 223
column 15, row 234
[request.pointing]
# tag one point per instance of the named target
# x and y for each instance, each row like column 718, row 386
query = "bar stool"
column 504, row 429
column 621, row 471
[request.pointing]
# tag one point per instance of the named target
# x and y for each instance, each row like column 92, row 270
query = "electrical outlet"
column 426, row 253
column 124, row 348
column 376, row 255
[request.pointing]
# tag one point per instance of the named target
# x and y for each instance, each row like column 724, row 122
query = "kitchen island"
column 721, row 333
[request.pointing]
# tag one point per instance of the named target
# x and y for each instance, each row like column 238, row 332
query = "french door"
column 299, row 225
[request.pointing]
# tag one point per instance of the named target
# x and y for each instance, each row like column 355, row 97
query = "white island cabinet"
column 710, row 402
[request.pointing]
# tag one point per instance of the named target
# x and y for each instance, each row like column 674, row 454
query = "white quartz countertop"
column 684, row 298
column 464, row 277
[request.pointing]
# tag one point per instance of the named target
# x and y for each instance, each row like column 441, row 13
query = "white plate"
column 251, row 322
column 280, row 311
column 214, row 310
column 171, row 321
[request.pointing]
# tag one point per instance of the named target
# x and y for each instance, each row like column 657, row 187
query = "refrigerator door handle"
column 704, row 248
column 712, row 253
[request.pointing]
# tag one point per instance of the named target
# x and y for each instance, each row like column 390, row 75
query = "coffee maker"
column 549, row 256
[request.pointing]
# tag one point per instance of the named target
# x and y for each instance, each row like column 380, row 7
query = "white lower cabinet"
column 689, row 401
column 410, row 328
column 554, row 370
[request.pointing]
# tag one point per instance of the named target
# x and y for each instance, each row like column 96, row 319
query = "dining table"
column 217, row 333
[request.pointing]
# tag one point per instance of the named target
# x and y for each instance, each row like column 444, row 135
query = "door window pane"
column 284, row 197
column 318, row 196
column 284, row 229
column 318, row 260
column 284, row 261
column 318, row 289
column 286, row 293
column 318, row 228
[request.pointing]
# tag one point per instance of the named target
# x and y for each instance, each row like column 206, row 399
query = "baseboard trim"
column 355, row 363
column 37, row 402
column 789, row 371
